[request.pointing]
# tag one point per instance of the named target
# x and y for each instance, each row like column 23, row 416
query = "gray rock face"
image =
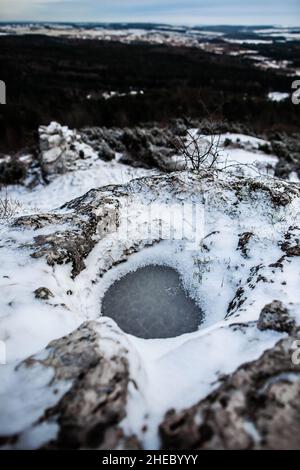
column 243, row 242
column 85, row 225
column 89, row 412
column 61, row 150
column 276, row 317
column 43, row 293
column 255, row 408
column 55, row 148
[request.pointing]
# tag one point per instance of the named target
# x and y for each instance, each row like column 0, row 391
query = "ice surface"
column 151, row 303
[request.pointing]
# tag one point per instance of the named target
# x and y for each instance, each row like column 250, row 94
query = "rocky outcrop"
column 255, row 408
column 243, row 243
column 77, row 388
column 90, row 218
column 43, row 293
column 85, row 224
column 90, row 382
column 62, row 150
column 275, row 316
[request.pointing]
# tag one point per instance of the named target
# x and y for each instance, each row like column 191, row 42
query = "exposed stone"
column 293, row 251
column 243, row 242
column 90, row 411
column 257, row 407
column 43, row 293
column 60, row 149
column 275, row 316
column 85, row 224
column 91, row 217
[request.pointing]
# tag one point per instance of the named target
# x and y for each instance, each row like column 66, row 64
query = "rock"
column 91, row 389
column 61, row 149
column 95, row 215
column 243, row 242
column 43, row 293
column 257, row 407
column 89, row 412
column 293, row 251
column 275, row 316
column 85, row 224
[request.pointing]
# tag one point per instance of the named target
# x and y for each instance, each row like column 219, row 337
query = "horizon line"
column 275, row 25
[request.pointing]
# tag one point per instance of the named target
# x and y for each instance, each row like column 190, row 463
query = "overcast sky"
column 281, row 12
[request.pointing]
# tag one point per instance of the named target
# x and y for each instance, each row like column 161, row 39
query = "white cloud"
column 20, row 9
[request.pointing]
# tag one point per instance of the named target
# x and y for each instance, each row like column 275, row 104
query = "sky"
column 187, row 12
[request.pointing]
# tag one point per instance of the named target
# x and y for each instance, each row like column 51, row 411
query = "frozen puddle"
column 151, row 303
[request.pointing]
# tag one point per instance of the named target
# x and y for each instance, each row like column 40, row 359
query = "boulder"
column 257, row 407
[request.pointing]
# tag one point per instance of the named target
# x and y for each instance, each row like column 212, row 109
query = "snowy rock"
column 83, row 224
column 243, row 242
column 43, row 293
column 276, row 317
column 255, row 408
column 60, row 149
column 88, row 391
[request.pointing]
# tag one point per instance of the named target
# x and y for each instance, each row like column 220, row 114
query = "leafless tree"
column 8, row 206
column 201, row 152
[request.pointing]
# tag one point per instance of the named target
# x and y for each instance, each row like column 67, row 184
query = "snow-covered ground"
column 66, row 187
column 242, row 156
column 166, row 373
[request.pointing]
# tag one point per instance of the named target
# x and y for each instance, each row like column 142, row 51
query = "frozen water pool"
column 151, row 303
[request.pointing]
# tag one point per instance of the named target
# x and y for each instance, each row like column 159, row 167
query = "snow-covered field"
column 231, row 282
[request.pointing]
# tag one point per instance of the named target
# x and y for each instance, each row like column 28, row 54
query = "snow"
column 178, row 373
column 249, row 41
column 289, row 34
column 24, row 398
column 242, row 156
column 293, row 177
column 278, row 96
column 169, row 373
column 72, row 185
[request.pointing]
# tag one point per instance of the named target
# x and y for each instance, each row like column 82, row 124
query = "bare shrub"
column 12, row 172
column 8, row 206
column 200, row 152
